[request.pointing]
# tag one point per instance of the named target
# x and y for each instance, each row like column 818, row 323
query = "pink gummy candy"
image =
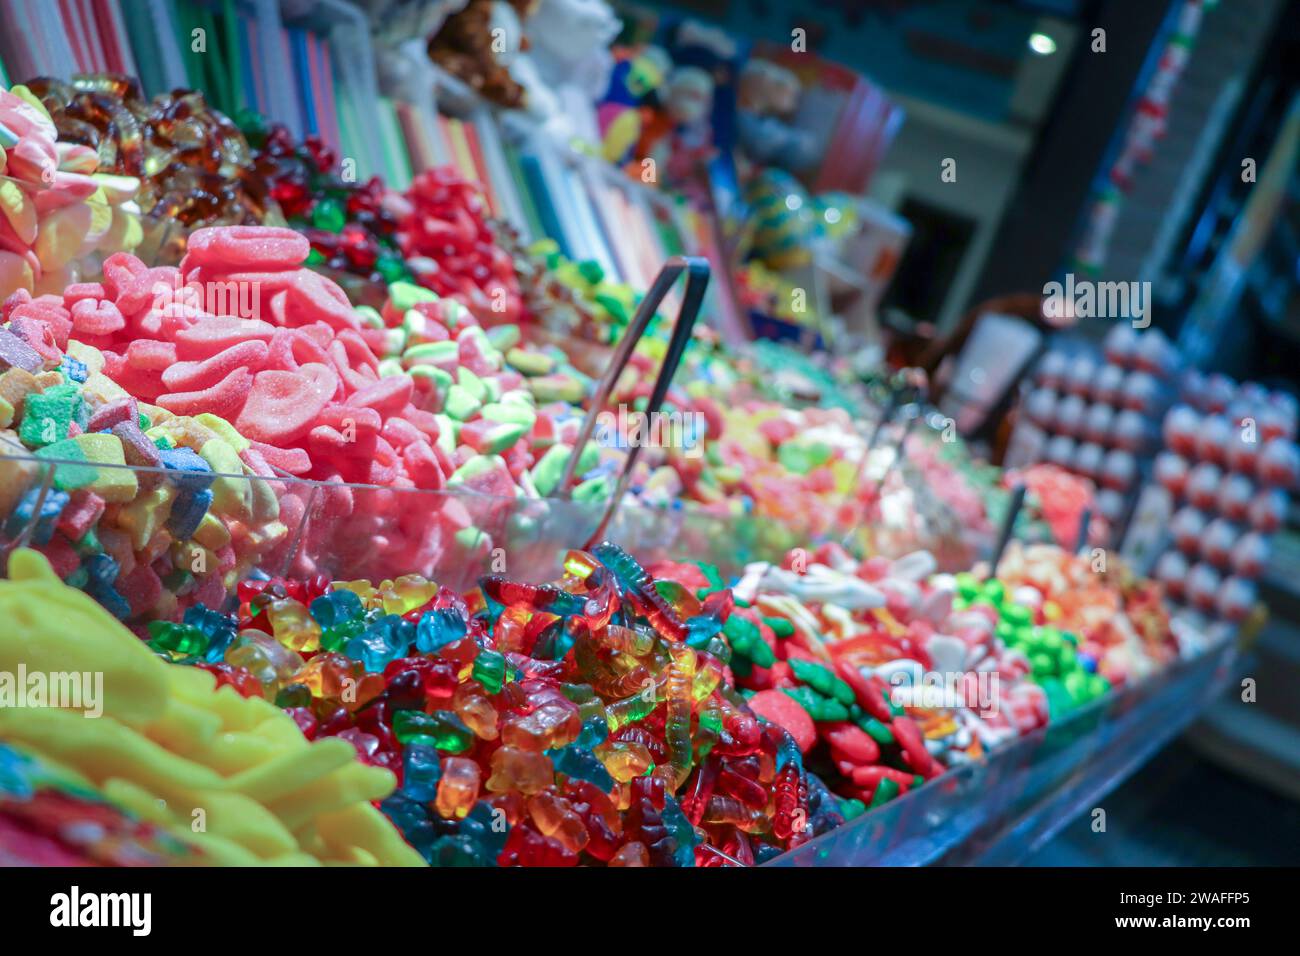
column 195, row 376
column 231, row 248
column 210, row 336
column 225, row 399
column 96, row 318
column 283, row 405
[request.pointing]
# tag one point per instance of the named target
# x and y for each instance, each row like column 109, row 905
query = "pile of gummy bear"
column 591, row 721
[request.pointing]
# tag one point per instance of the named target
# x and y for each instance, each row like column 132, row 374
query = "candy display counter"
column 996, row 812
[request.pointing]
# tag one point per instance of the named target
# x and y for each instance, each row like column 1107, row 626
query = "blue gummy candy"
column 421, row 771
column 437, row 629
column 574, row 761
column 187, row 513
column 192, row 473
column 332, row 609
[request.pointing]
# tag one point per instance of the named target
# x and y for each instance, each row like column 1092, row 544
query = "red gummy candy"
column 225, row 399
column 246, row 247
column 283, row 405
column 784, row 711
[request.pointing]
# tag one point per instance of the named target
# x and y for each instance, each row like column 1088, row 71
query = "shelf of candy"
column 169, row 743
column 535, row 700
column 59, row 203
column 1095, row 416
column 888, row 674
column 994, row 812
column 188, row 164
column 1229, row 462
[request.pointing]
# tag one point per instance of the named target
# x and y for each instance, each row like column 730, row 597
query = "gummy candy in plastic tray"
column 149, row 541
column 996, row 811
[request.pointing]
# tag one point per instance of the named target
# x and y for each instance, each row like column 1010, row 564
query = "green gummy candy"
column 589, row 458
column 433, row 353
column 822, row 680
column 780, row 626
column 529, row 363
column 448, row 432
column 472, row 384
column 878, row 731
column 369, row 316
column 478, row 465
column 389, row 367
column 548, row 471
column 47, row 416
column 594, row 489
column 886, row 790
column 469, row 538
column 503, row 337
column 404, row 295
column 460, row 403
column 502, row 437
column 510, row 413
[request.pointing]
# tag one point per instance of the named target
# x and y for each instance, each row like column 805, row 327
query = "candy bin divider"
column 299, row 531
column 997, row 810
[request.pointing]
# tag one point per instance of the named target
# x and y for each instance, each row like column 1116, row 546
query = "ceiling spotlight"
column 1042, row 44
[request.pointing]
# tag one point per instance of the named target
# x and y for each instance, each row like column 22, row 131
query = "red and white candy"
column 1203, row 484
column 1250, row 555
